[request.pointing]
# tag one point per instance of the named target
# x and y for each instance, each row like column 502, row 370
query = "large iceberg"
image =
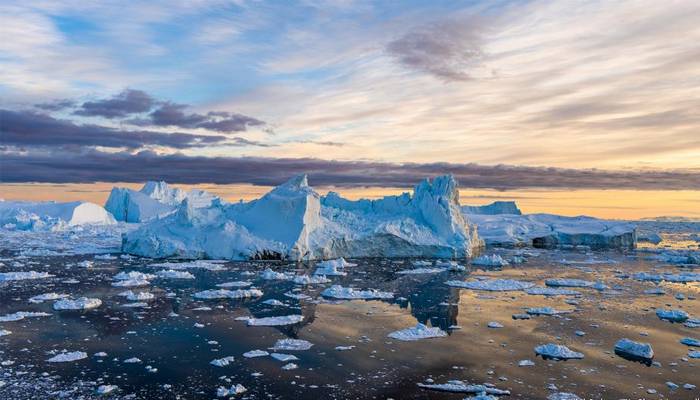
column 155, row 199
column 294, row 222
column 495, row 208
column 49, row 215
column 550, row 231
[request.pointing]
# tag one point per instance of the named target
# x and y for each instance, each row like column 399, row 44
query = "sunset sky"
column 564, row 106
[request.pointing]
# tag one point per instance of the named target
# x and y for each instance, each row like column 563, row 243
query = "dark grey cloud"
column 446, row 49
column 56, row 105
column 31, row 129
column 124, row 104
column 175, row 115
column 93, row 166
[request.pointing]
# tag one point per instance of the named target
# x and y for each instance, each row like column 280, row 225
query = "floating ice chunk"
column 270, row 275
column 548, row 291
column 636, row 351
column 683, row 277
column 276, row 321
column 19, row 315
column 563, row 396
column 255, row 353
column 495, row 325
column 131, row 283
column 310, row 280
column 228, row 294
column 456, row 386
column 123, row 276
column 672, row 315
column 692, row 323
column 329, row 270
column 86, row 264
column 140, row 296
column 344, row 348
column 290, row 366
column 132, row 360
column 274, row 302
column 235, row 284
column 284, row 357
column 546, row 311
column 23, row 275
column 688, row 341
column 174, row 274
column 694, row 354
column 494, row 260
column 47, row 297
column 417, row 271
column 339, row 292
column 655, row 291
column 337, row 263
column 5, row 332
column 208, row 265
column 106, row 389
column 81, row 303
column 449, row 265
column 566, row 282
column 232, row 391
column 297, row 296
column 222, row 362
column 68, row 357
column 493, row 285
column 526, row 363
column 557, row 352
column 292, row 344
column 417, row 332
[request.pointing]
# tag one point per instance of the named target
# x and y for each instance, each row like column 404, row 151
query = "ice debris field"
column 164, row 293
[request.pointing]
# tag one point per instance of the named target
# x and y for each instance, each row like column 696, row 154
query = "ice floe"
column 557, row 352
column 81, row 303
column 234, row 284
column 40, row 298
column 228, row 294
column 231, row 391
column 418, row 332
column 672, row 315
column 456, row 386
column 493, row 260
column 20, row 315
column 222, row 362
column 548, row 291
column 68, row 357
column 546, row 311
column 346, row 293
column 174, row 274
column 492, row 285
column 23, row 275
column 255, row 353
column 276, row 321
column 292, row 344
column 636, row 351
column 284, row 357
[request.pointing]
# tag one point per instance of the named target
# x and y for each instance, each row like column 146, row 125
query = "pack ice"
column 155, row 199
column 49, row 215
column 294, row 222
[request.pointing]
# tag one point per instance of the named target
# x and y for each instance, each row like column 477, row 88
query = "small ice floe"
column 683, row 277
column 494, row 260
column 694, row 354
column 344, row 348
column 580, row 333
column 417, row 332
column 274, row 302
column 566, row 282
column 492, row 285
column 284, row 357
column 138, row 304
column 672, row 315
column 688, row 341
column 23, row 275
column 297, row 296
column 222, row 362
column 234, row 284
column 550, row 291
column 132, row 360
column 692, row 323
column 255, row 353
column 456, row 386
column 292, row 344
column 20, row 315
column 132, row 279
column 343, row 293
column 270, row 275
column 86, row 264
column 649, row 237
column 526, row 363
column 81, row 303
column 108, row 257
column 418, row 271
column 546, row 311
column 655, row 291
column 232, row 391
column 495, row 325
column 140, row 296
column 100, row 354
column 106, row 389
column 208, row 265
column 333, row 267
column 227, row 294
column 563, row 396
column 47, row 297
column 449, row 265
column 310, row 280
column 5, row 332
column 174, row 274
column 556, row 352
column 289, row 367
column 634, row 351
column 276, row 321
column 68, row 357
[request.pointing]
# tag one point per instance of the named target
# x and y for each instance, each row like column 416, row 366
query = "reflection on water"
column 179, row 335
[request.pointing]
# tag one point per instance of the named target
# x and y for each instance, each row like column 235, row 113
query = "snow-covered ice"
column 635, row 350
column 417, row 332
column 292, row 344
column 51, row 216
column 276, row 321
column 493, row 260
column 672, row 315
column 81, row 303
column 346, row 293
column 23, row 275
column 68, row 357
column 456, row 386
column 557, row 352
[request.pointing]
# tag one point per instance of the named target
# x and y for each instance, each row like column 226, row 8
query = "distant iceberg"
column 294, row 222
column 49, row 215
column 154, row 200
column 495, row 208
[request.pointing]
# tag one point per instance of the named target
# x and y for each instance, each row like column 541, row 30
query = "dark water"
column 377, row 367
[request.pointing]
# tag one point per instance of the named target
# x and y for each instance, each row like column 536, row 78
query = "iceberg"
column 51, row 216
column 495, row 208
column 551, row 231
column 294, row 222
column 634, row 351
column 417, row 332
column 154, row 200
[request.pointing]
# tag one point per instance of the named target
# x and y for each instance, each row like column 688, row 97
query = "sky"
column 512, row 97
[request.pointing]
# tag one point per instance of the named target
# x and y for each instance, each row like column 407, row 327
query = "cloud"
column 126, row 103
column 94, row 166
column 56, row 105
column 446, row 49
column 28, row 128
column 174, row 115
